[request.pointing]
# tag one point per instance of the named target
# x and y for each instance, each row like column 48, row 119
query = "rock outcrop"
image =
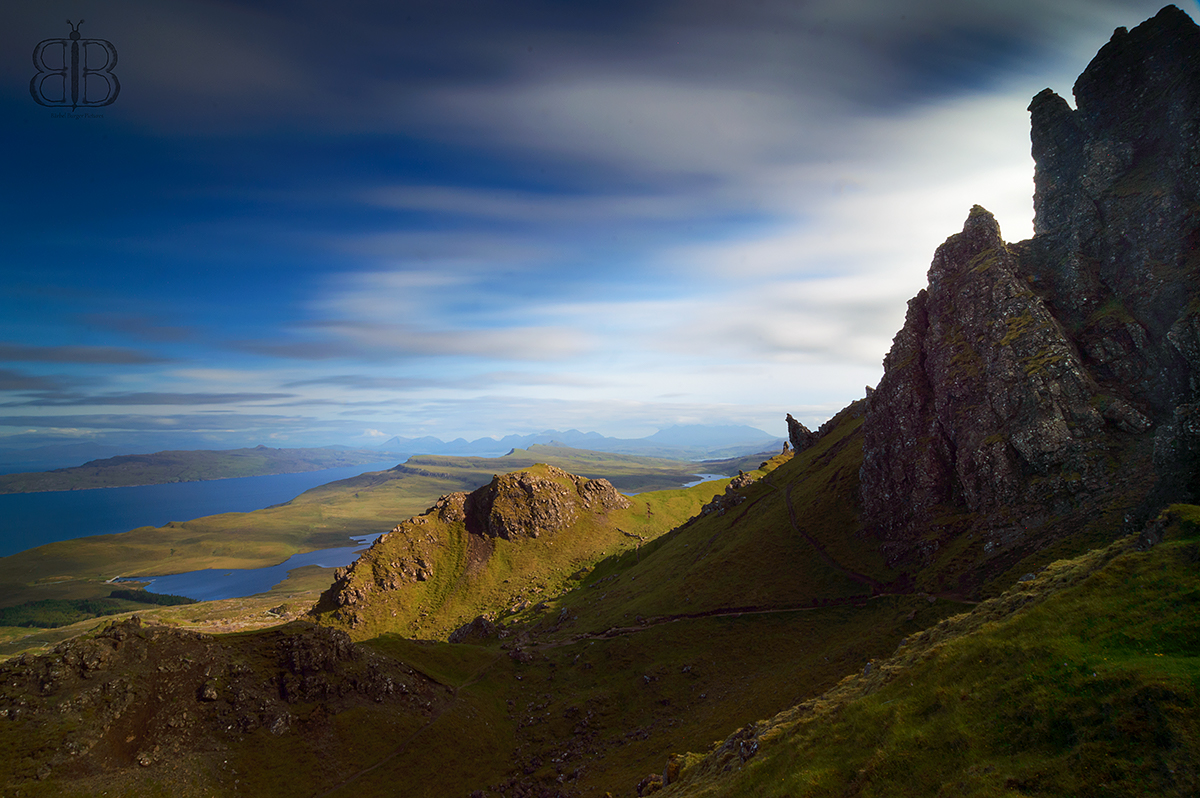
column 732, row 497
column 524, row 504
column 800, row 436
column 1024, row 370
column 138, row 696
column 521, row 506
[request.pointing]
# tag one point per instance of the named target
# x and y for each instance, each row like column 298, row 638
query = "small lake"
column 213, row 584
column 28, row 520
column 699, row 478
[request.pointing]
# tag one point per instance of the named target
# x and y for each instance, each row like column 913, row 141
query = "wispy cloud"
column 472, row 382
column 145, row 399
column 147, row 328
column 104, row 355
column 349, row 340
column 20, row 382
column 419, row 218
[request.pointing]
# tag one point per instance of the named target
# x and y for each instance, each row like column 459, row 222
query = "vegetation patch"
column 1086, row 677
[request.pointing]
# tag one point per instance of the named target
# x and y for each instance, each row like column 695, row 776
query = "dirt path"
column 724, row 612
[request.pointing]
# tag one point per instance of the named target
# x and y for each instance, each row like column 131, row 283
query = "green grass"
column 469, row 575
column 53, row 613
column 753, row 555
column 1092, row 690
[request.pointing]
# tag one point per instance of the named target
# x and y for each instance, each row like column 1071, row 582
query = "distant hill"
column 63, row 455
column 185, row 466
column 681, row 442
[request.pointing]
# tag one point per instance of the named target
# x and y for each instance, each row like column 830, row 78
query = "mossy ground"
column 1092, row 690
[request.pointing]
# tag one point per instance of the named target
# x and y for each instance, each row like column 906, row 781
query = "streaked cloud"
column 105, row 355
column 147, row 328
column 19, row 381
column 350, row 340
column 326, row 222
column 146, row 399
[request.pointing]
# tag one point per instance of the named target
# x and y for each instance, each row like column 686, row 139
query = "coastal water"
column 34, row 519
column 212, row 584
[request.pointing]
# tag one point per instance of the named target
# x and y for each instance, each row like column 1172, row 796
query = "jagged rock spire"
column 1022, row 366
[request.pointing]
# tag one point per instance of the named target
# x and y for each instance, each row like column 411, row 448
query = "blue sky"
column 306, row 223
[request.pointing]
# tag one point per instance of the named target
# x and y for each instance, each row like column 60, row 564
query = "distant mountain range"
column 680, row 442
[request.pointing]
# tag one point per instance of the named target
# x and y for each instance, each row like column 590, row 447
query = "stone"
column 800, row 436
column 1019, row 363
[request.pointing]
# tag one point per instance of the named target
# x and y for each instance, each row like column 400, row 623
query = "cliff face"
column 1117, row 208
column 1031, row 382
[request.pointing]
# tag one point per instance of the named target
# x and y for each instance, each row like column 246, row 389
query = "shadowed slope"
column 1082, row 681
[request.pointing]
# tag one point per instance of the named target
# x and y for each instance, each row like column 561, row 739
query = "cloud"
column 351, row 340
column 190, row 423
column 513, row 215
column 147, row 398
column 144, row 327
column 100, row 355
column 18, row 381
column 537, row 208
column 363, row 382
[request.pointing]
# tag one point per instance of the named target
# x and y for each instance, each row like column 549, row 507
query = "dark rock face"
column 136, row 696
column 982, row 389
column 525, row 505
column 478, row 630
column 800, row 436
column 1022, row 368
column 731, row 498
column 1117, row 207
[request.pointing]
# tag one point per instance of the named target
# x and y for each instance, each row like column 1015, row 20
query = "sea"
column 211, row 584
column 28, row 520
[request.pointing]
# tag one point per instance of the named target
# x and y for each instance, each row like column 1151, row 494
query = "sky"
column 309, row 223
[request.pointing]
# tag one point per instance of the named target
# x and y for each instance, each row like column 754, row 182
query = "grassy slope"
column 1082, row 682
column 184, row 466
column 752, row 555
column 597, row 697
column 470, row 576
column 654, row 650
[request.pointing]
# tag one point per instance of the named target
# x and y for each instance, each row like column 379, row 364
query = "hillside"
column 1082, row 680
column 599, row 659
column 504, row 545
column 185, row 466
